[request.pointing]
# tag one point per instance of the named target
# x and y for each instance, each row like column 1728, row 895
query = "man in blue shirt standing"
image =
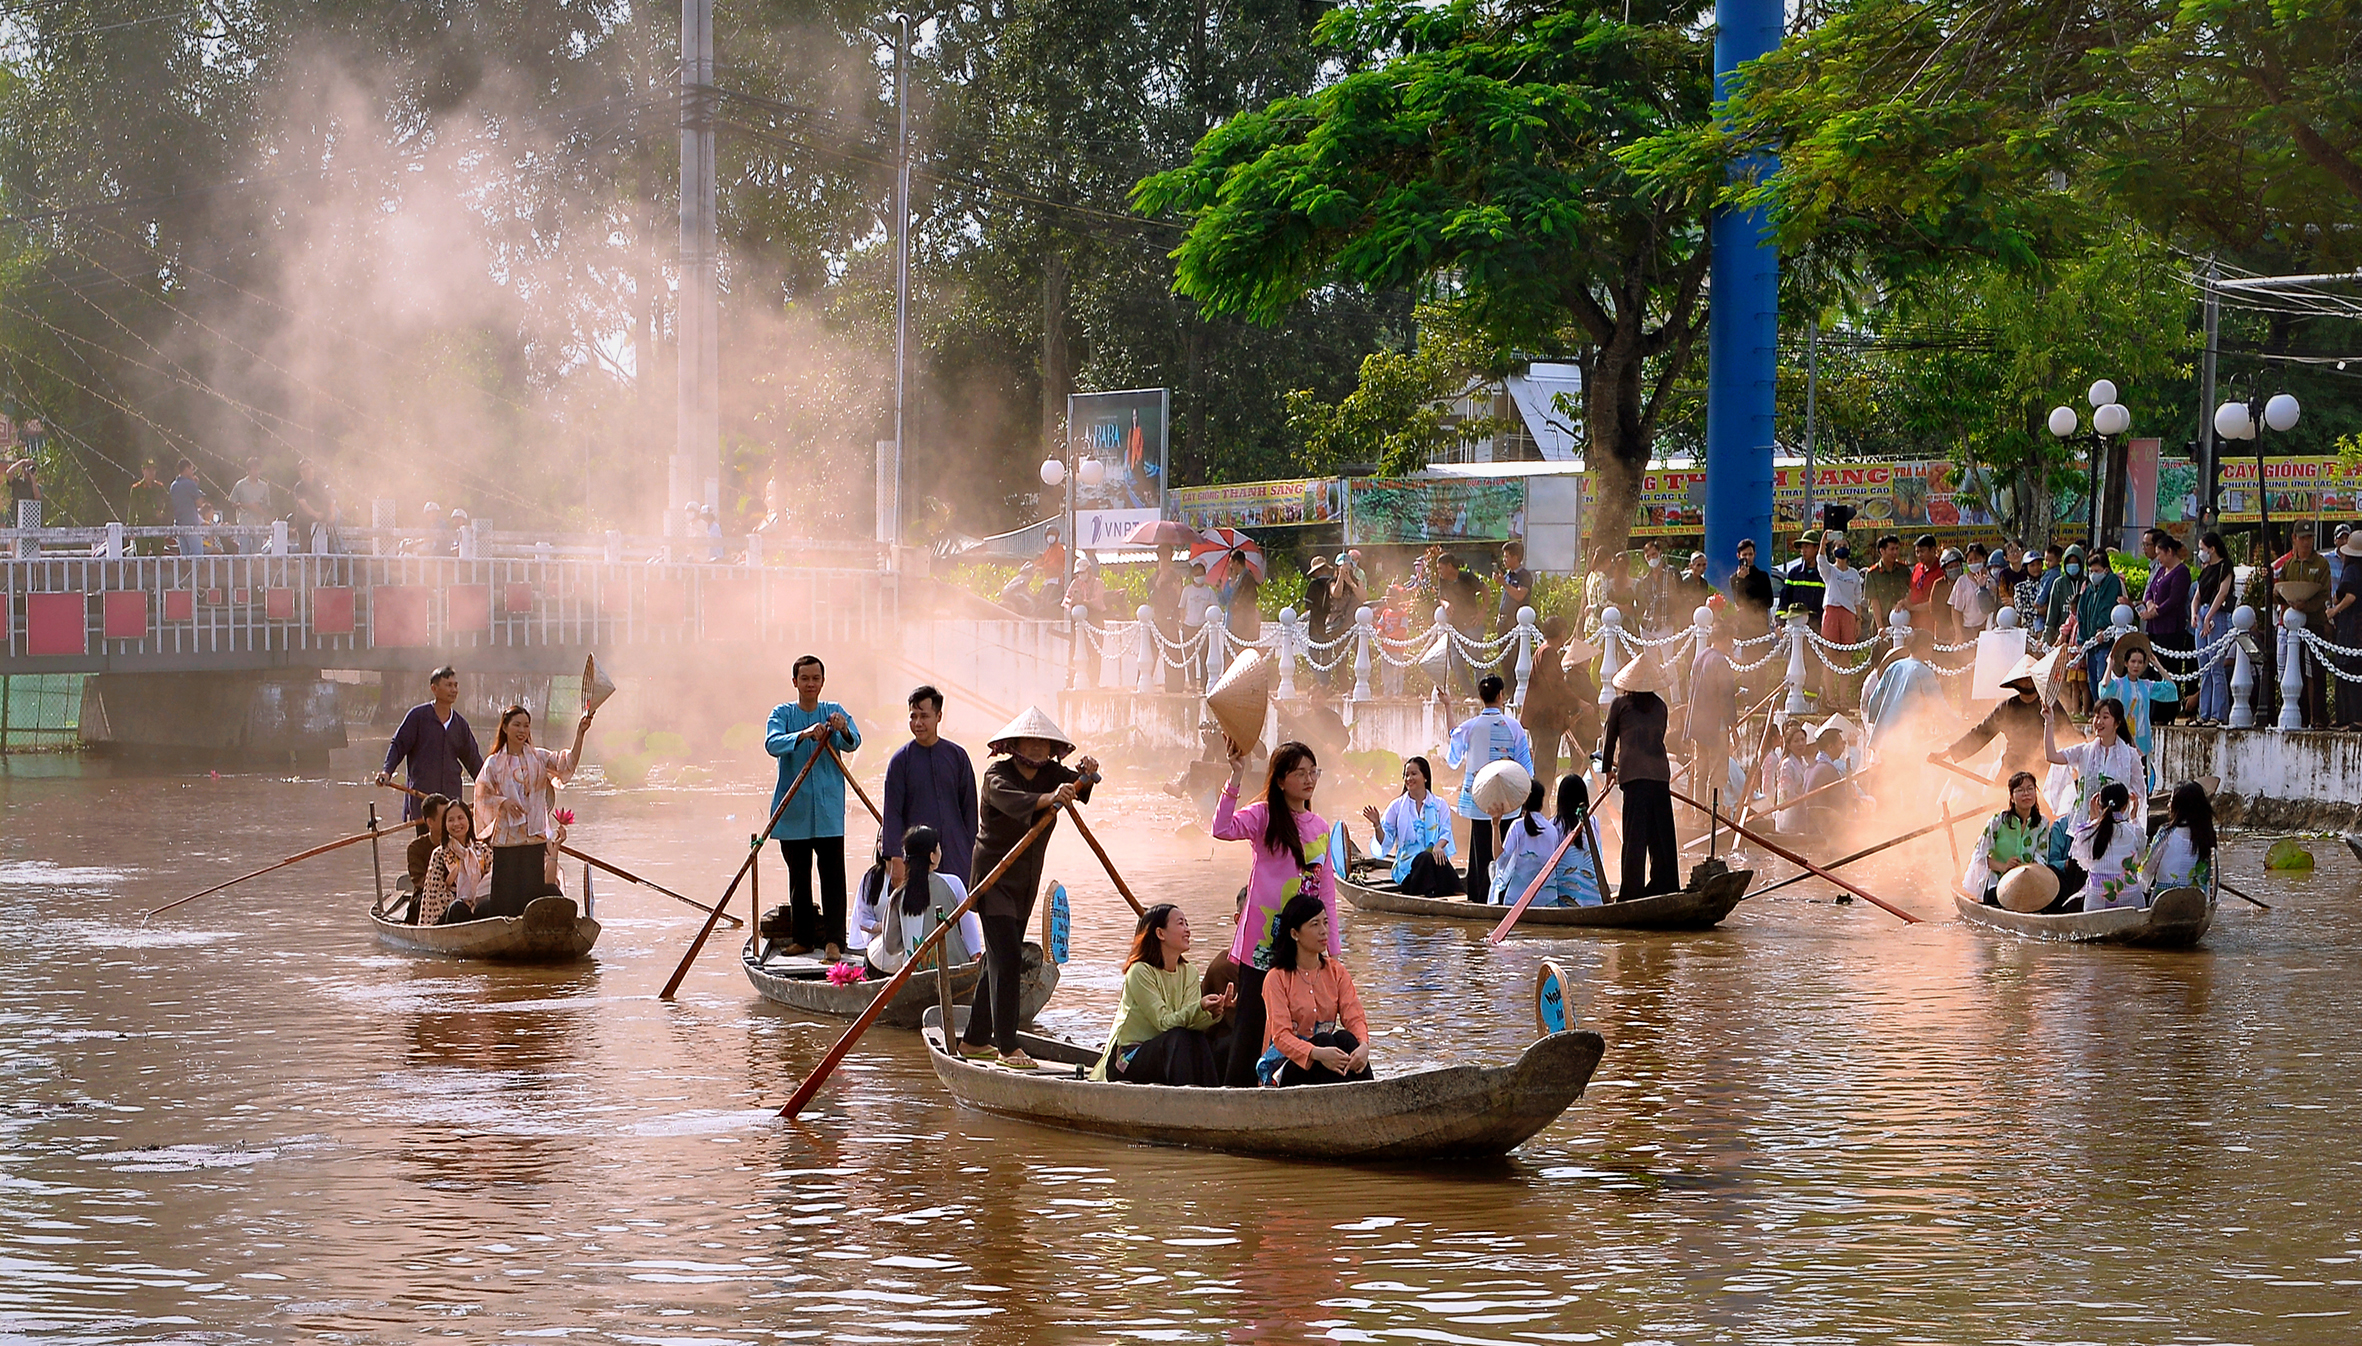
column 811, row 830
column 185, row 493
column 1485, row 738
column 436, row 740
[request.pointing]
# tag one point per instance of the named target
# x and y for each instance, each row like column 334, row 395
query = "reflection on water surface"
column 245, row 1121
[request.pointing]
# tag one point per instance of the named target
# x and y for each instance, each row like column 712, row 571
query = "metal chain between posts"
column 2327, row 650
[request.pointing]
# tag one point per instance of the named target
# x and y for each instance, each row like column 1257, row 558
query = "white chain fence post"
column 1525, row 653
column 2292, row 673
column 1362, row 632
column 1796, row 704
column 1152, row 658
column 2242, row 668
column 1285, row 650
column 1611, row 652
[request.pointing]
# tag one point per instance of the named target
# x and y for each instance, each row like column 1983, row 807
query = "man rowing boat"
column 1018, row 787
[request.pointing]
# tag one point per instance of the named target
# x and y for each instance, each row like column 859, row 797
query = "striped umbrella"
column 1224, row 550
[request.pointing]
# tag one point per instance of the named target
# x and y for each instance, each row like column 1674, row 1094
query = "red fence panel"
column 57, row 624
column 124, row 614
column 398, row 616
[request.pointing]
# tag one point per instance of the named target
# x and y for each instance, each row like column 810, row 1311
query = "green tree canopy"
column 1915, row 130
column 1478, row 154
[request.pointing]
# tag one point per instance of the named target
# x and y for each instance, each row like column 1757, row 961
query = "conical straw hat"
column 2028, row 888
column 596, row 685
column 1643, row 674
column 1030, row 723
column 1241, row 698
column 2048, row 670
column 1501, row 788
column 2024, row 670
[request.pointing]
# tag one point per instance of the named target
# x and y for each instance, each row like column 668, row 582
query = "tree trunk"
column 1617, row 449
column 1056, row 378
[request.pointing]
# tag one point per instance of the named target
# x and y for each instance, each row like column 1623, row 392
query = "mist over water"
column 246, row 1121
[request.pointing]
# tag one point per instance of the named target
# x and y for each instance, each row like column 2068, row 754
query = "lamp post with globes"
column 1061, row 472
column 2236, row 421
column 2109, row 418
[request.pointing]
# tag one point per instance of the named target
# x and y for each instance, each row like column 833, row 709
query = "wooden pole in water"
column 628, row 877
column 355, row 839
column 1793, row 858
column 1101, row 852
column 866, row 803
column 885, row 996
column 1949, row 820
column 617, row 870
column 753, row 853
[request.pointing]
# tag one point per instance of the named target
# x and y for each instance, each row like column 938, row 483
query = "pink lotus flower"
column 565, row 817
column 843, row 974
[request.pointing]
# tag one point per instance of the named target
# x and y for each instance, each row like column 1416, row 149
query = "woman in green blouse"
column 1159, row 1035
column 2016, row 837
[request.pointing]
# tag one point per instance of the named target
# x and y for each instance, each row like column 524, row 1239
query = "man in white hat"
column 1632, row 745
column 2018, row 723
column 1487, row 737
column 1022, row 783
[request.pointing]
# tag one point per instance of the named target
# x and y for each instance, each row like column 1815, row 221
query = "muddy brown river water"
column 246, row 1121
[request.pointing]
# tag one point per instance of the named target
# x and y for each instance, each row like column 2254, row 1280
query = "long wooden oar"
column 847, row 773
column 1101, row 851
column 1782, row 805
column 2240, row 895
column 617, row 870
column 353, row 840
column 1950, row 819
column 628, row 877
column 1793, row 858
column 1950, row 765
column 753, row 853
column 893, row 984
column 1501, row 931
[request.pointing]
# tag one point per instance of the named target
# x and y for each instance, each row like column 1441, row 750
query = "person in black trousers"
column 1632, row 745
column 1018, row 788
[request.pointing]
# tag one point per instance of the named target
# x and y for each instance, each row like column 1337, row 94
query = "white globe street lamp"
column 1090, row 472
column 1053, row 472
column 2280, row 413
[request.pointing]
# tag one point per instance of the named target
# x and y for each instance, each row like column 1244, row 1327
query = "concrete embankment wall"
column 2310, row 779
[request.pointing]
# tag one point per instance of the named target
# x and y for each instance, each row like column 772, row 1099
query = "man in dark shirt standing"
column 1632, row 745
column 1463, row 599
column 1517, row 585
column 1885, row 585
column 436, row 739
column 930, row 783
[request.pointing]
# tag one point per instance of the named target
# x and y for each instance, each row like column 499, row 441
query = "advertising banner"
column 1124, row 432
column 2303, row 489
column 1396, row 510
column 1306, row 503
column 1925, row 494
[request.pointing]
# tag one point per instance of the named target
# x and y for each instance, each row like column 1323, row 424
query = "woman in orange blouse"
column 1313, row 1029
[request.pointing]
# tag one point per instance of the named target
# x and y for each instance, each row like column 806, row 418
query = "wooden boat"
column 802, row 983
column 1452, row 1112
column 2177, row 919
column 550, row 931
column 1697, row 908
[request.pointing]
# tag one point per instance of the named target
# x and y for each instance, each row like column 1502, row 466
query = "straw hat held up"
column 1241, row 698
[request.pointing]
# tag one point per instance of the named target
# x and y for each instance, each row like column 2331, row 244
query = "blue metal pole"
column 1742, row 328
